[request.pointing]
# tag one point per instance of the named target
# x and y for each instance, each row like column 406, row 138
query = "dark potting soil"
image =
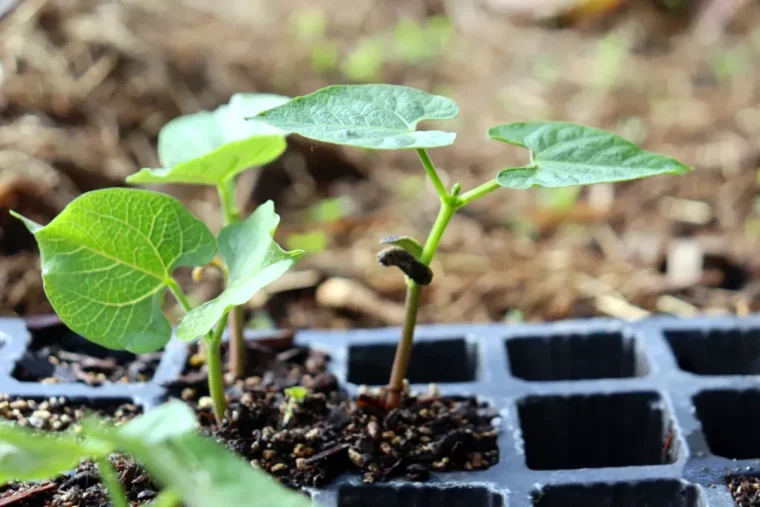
column 59, row 413
column 81, row 488
column 271, row 363
column 57, row 355
column 329, row 434
column 745, row 490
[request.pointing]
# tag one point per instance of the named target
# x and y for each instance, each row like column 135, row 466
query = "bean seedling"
column 385, row 117
column 109, row 257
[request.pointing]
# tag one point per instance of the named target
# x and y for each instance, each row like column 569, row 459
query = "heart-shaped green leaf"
column 378, row 116
column 254, row 261
column 565, row 154
column 210, row 148
column 27, row 455
column 109, row 256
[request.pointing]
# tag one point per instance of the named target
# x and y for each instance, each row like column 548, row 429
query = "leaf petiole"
column 477, row 192
column 433, row 174
column 227, row 199
column 178, row 294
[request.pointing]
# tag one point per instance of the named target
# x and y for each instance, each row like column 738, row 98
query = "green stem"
column 436, row 233
column 413, row 293
column 178, row 294
column 213, row 342
column 227, row 200
column 433, row 174
column 215, row 375
column 111, row 481
column 477, row 193
column 237, row 343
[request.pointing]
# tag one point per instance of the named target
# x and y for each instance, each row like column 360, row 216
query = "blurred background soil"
column 86, row 85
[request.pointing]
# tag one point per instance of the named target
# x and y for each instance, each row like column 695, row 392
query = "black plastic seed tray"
column 594, row 413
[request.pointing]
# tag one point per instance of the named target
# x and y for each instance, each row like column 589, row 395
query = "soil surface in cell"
column 304, row 443
column 56, row 355
column 81, row 487
column 745, row 490
column 329, row 433
column 59, row 413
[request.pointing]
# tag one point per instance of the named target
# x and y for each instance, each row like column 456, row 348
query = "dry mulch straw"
column 86, row 86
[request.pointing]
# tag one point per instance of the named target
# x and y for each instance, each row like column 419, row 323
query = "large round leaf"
column 565, row 154
column 380, row 117
column 109, row 256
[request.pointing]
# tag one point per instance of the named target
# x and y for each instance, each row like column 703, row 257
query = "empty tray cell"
column 731, row 422
column 58, row 355
column 411, row 496
column 660, row 493
column 717, row 352
column 596, row 431
column 576, row 357
column 442, row 361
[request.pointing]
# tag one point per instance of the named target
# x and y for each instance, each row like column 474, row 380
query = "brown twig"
column 20, row 497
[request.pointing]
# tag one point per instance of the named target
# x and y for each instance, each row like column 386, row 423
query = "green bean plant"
column 385, row 117
column 109, row 257
column 193, row 470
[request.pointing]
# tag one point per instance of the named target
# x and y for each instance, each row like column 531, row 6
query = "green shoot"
column 295, row 395
column 385, row 117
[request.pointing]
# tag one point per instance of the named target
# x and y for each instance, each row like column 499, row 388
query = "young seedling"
column 295, row 395
column 385, row 117
column 194, row 470
column 109, row 257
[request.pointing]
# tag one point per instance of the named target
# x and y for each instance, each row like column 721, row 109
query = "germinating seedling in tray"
column 385, row 117
column 108, row 257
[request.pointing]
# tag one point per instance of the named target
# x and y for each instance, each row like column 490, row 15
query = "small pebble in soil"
column 59, row 413
column 745, row 490
column 329, row 434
